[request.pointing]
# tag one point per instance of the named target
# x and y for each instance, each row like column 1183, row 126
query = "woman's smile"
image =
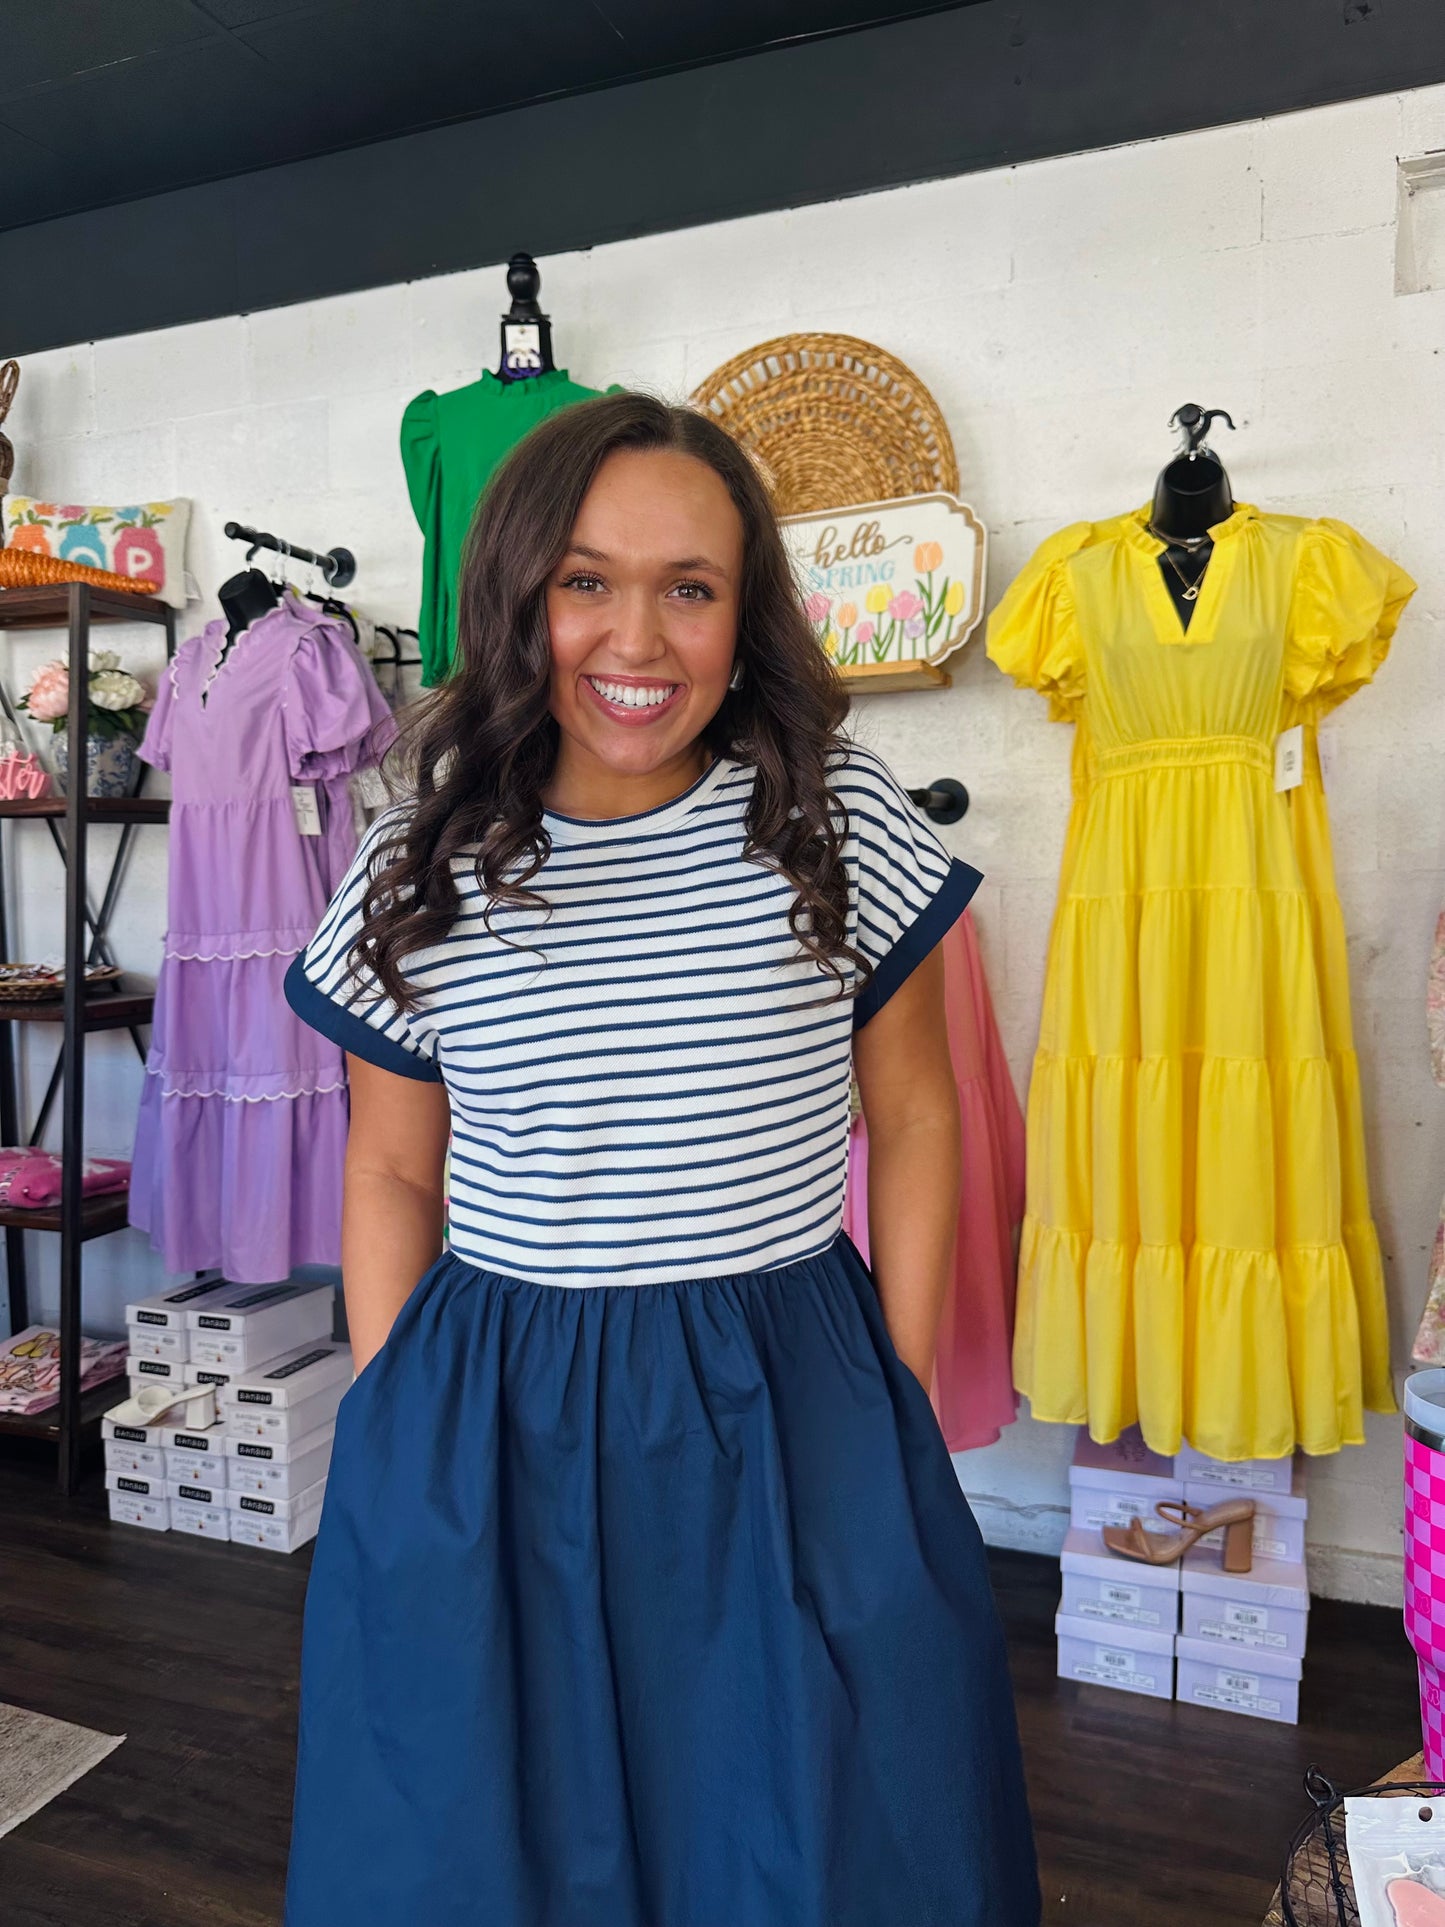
column 633, row 701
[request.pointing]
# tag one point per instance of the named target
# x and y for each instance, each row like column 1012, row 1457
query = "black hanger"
column 1191, row 496
column 526, row 331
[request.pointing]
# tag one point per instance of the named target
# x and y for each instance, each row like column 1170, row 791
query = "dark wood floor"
column 1145, row 1812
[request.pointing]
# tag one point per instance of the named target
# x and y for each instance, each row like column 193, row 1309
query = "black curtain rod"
column 337, row 565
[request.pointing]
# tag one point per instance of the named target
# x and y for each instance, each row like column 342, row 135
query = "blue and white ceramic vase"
column 109, row 763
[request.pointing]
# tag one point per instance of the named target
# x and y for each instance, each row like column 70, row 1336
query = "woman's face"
column 643, row 610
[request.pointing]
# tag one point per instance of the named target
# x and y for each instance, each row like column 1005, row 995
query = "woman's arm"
column 910, row 1103
column 394, row 1206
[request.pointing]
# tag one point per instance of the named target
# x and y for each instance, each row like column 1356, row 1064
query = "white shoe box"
column 288, row 1426
column 1109, row 1591
column 275, row 1535
column 205, row 1521
column 167, row 1310
column 133, row 1448
column 172, row 1342
column 303, row 1378
column 1247, row 1475
column 258, row 1322
column 139, row 1509
column 1279, row 1518
column 1263, row 1685
column 137, row 1485
column 198, row 1456
column 281, row 1479
column 154, row 1371
column 218, row 1377
column 267, row 1506
column 1266, row 1609
column 274, row 1451
column 1111, row 1484
column 1130, row 1659
column 197, row 1491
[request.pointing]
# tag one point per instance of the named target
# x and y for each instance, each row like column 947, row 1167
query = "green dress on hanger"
column 450, row 445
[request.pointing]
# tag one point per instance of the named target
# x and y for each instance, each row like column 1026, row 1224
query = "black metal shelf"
column 79, row 1009
column 94, row 1405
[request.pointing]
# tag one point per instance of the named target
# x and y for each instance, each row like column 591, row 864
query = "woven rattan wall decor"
column 832, row 420
column 862, row 472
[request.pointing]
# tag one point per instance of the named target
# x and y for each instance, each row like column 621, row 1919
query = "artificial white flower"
column 113, row 689
column 102, row 659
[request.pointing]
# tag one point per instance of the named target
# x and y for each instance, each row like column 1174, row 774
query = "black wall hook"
column 945, row 800
column 337, row 565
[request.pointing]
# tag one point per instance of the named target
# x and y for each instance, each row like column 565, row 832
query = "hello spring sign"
column 891, row 582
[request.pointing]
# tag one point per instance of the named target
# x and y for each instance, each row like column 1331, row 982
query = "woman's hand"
column 910, row 1102
column 394, row 1207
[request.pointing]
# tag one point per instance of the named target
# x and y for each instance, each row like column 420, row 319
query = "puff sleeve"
column 159, row 738
column 1347, row 601
column 349, row 1006
column 335, row 717
column 1033, row 634
column 909, row 890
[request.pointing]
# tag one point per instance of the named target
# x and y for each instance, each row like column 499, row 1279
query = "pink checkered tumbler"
column 1425, row 1553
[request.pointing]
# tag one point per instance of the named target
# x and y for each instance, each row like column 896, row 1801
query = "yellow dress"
column 1198, row 1252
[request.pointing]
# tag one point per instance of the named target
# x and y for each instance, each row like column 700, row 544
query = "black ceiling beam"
column 981, row 86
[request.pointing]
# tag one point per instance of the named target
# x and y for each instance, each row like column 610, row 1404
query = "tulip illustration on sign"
column 914, row 566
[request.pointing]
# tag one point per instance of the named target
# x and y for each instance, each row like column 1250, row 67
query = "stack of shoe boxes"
column 244, row 1341
column 1241, row 1643
column 1117, row 1619
column 1188, row 1630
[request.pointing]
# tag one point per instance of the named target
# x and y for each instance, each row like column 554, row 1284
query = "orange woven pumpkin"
column 24, row 569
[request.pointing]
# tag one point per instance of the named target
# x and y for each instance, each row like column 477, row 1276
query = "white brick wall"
column 1059, row 312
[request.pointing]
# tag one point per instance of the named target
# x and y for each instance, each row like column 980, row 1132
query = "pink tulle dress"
column 243, row 1115
column 973, row 1394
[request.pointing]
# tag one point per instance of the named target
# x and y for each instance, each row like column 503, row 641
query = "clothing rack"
column 337, row 565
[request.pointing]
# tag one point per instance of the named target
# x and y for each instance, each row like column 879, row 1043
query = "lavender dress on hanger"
column 242, row 1127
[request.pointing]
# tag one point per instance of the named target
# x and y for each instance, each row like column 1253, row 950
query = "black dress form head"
column 245, row 598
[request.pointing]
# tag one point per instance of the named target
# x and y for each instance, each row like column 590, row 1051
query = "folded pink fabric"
column 31, row 1177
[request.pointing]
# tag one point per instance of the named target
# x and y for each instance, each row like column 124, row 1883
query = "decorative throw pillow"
column 148, row 540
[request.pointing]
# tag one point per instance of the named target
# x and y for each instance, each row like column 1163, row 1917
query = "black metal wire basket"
column 1316, row 1889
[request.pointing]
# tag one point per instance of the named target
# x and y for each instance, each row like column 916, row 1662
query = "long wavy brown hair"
column 477, row 754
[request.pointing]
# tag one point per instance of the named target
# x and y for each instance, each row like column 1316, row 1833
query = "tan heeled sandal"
column 1155, row 1549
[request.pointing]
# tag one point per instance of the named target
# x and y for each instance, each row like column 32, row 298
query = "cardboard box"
column 1279, row 1518
column 144, row 1461
column 196, row 1468
column 207, row 1443
column 1266, row 1609
column 1111, row 1484
column 205, row 1521
column 258, row 1322
column 167, row 1310
column 153, row 1371
column 1106, row 1590
column 292, row 1380
column 1129, row 1659
column 280, row 1479
column 135, row 1509
column 1262, row 1685
column 275, row 1535
column 273, row 1451
column 270, row 1506
column 1248, row 1475
column 174, row 1342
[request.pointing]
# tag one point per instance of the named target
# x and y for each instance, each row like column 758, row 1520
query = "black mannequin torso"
column 244, row 599
column 526, row 331
column 1191, row 496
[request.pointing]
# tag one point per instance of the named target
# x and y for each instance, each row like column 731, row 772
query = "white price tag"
column 371, row 788
column 1289, row 758
column 308, row 813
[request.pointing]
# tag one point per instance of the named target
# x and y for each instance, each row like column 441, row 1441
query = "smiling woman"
column 645, row 1590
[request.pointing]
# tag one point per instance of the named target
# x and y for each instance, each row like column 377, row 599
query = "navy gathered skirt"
column 652, row 1606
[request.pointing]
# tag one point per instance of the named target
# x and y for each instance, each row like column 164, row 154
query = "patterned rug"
column 41, row 1757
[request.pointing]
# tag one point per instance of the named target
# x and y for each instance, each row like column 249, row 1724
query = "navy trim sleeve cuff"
column 351, row 1032
column 932, row 923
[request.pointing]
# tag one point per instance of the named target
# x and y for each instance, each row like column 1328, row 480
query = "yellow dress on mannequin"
column 1198, row 1253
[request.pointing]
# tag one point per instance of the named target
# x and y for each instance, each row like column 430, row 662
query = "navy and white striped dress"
column 645, row 1593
